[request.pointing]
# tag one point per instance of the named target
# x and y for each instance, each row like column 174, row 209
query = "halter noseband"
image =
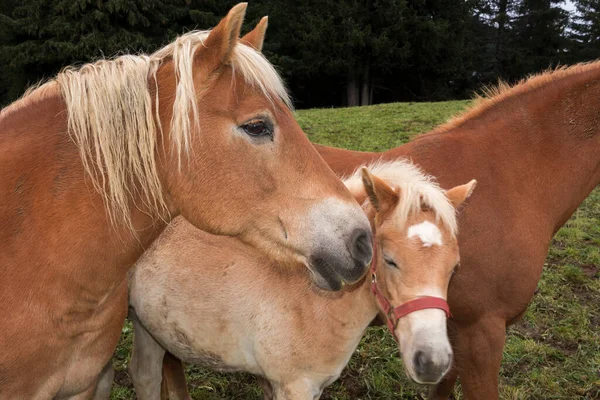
column 393, row 314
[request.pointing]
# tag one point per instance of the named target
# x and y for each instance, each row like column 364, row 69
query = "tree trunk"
column 365, row 94
column 501, row 19
column 352, row 90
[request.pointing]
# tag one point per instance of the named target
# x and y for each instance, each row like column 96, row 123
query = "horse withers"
column 93, row 165
column 216, row 301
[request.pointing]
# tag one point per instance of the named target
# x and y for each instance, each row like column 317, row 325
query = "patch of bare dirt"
column 590, row 270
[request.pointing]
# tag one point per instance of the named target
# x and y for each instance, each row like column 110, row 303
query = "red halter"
column 393, row 314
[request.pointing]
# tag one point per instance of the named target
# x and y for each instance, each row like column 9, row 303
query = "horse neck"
column 344, row 162
column 352, row 309
column 540, row 149
column 52, row 215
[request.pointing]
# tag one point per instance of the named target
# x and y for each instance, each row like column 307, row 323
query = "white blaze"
column 427, row 232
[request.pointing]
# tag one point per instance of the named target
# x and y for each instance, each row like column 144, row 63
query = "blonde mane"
column 416, row 189
column 111, row 117
column 494, row 95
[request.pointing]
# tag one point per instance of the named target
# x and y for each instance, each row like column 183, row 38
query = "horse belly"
column 197, row 328
column 223, row 351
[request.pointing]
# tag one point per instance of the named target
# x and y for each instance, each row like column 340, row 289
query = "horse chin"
column 325, row 278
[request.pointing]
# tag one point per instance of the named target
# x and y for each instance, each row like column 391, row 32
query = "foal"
column 205, row 299
column 535, row 147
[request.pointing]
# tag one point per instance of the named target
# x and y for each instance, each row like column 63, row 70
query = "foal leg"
column 478, row 357
column 174, row 385
column 146, row 363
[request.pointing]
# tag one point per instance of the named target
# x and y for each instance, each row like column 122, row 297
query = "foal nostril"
column 420, row 362
column 361, row 246
column 426, row 369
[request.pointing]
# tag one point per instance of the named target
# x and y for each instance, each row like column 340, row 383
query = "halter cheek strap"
column 393, row 314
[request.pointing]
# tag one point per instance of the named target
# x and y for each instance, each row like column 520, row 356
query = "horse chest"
column 92, row 341
column 68, row 360
column 95, row 347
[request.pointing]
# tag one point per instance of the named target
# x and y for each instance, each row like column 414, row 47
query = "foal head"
column 417, row 253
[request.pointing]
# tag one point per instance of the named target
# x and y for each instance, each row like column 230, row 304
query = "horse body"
column 43, row 188
column 535, row 151
column 192, row 296
column 274, row 325
column 96, row 162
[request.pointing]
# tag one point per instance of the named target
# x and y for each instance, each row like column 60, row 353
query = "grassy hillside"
column 554, row 353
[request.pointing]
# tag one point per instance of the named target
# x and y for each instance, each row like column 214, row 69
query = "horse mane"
column 111, row 117
column 416, row 189
column 493, row 95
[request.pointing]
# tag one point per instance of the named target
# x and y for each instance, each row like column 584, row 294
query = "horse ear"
column 458, row 194
column 219, row 45
column 381, row 195
column 256, row 36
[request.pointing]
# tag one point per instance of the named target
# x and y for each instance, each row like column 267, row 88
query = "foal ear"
column 458, row 194
column 219, row 45
column 256, row 36
column 382, row 196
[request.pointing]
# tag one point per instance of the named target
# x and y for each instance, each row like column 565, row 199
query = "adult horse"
column 95, row 163
column 535, row 151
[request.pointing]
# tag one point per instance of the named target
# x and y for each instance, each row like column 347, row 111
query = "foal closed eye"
column 390, row 262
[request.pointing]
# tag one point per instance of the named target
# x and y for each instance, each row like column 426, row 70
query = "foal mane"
column 111, row 117
column 494, row 95
column 417, row 189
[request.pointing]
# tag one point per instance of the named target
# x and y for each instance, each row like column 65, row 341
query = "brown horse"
column 274, row 325
column 95, row 163
column 535, row 150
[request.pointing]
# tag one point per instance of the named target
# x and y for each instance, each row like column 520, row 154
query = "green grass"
column 375, row 128
column 553, row 353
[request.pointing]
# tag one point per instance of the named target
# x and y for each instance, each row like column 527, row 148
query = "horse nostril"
column 362, row 248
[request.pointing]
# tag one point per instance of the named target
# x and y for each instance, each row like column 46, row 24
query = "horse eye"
column 390, row 262
column 257, row 129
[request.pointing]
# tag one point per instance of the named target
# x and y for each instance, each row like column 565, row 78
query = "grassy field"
column 553, row 353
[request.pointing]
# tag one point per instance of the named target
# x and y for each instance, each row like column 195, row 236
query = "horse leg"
column 105, row 382
column 478, row 355
column 298, row 390
column 444, row 389
column 100, row 390
column 146, row 363
column 266, row 387
column 174, row 385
